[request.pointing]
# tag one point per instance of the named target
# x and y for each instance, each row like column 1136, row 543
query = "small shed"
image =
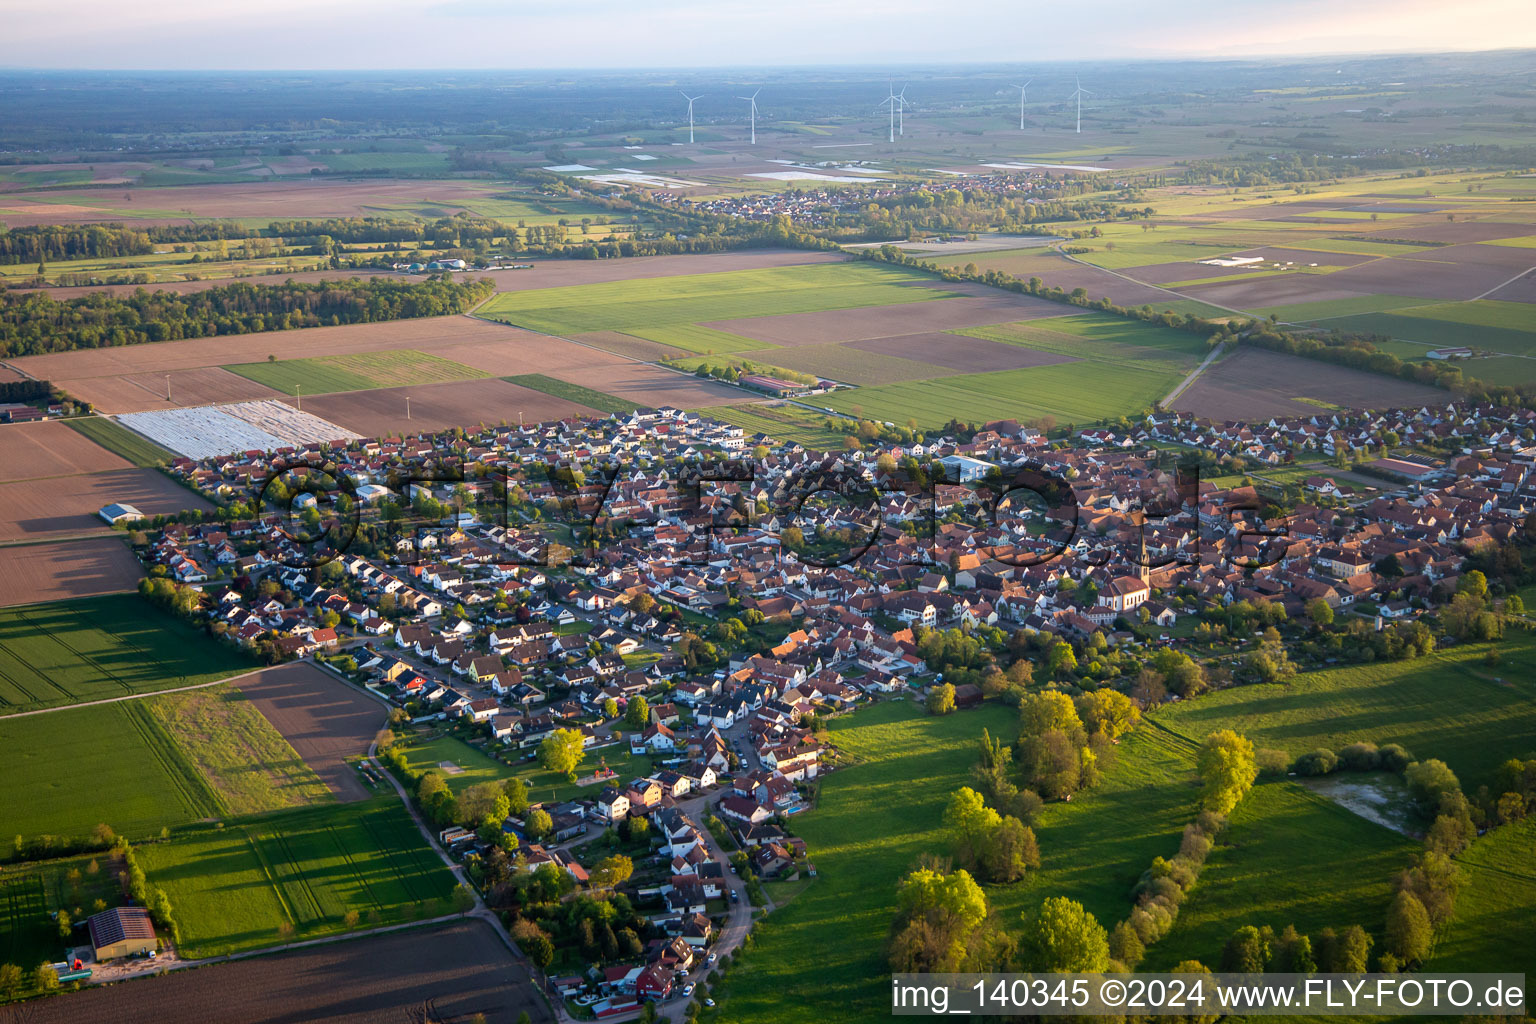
column 122, row 931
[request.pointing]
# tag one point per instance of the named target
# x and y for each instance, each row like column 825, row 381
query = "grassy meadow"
column 543, row 786
column 591, row 398
column 297, row 875
column 96, row 648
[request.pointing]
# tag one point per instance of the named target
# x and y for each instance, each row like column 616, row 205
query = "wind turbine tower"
column 690, row 100
column 752, row 113
column 892, row 102
column 1023, row 97
column 901, row 121
column 1078, row 95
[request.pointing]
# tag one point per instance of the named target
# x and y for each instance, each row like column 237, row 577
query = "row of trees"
column 32, row 323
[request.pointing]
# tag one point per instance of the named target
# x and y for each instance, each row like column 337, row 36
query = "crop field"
column 246, row 762
column 1078, row 392
column 48, row 448
column 1508, row 327
column 40, row 509
column 140, row 451
column 69, row 771
column 1497, row 902
column 98, row 648
column 572, row 392
column 697, row 339
column 1106, row 338
column 626, row 305
column 31, row 892
column 1448, row 706
column 1254, row 383
column 326, row 720
column 845, row 363
column 37, row 573
column 459, row 969
column 1255, row 876
column 382, row 412
column 245, row 884
column 356, row 372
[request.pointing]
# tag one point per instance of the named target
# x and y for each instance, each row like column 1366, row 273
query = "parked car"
column 687, row 991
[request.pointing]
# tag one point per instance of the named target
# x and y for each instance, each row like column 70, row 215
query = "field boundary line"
column 136, row 696
column 1193, row 375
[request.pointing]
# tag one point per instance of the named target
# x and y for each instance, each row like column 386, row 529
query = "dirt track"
column 325, row 719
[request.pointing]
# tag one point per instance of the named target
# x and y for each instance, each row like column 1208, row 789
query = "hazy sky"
column 512, row 34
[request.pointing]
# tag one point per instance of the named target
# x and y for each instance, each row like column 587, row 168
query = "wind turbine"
column 690, row 100
column 1023, row 97
column 901, row 110
column 891, row 101
column 1078, row 95
column 752, row 113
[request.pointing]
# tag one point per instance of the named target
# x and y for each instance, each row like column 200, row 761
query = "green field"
column 1496, row 905
column 1449, row 706
column 697, row 339
column 31, row 892
column 632, row 306
column 1507, row 327
column 246, row 762
column 119, row 440
column 843, row 363
column 361, row 371
column 235, row 887
column 97, row 648
column 875, row 818
column 543, row 786
column 1258, row 875
column 68, row 771
column 1079, row 393
column 599, row 400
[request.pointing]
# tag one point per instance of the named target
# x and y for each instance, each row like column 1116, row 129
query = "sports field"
column 68, row 771
column 97, row 648
column 297, row 875
column 658, row 302
column 361, row 371
column 1448, row 705
column 593, row 399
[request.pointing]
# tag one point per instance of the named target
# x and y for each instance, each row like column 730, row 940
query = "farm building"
column 122, row 931
column 119, row 513
column 1454, row 352
column 1233, row 261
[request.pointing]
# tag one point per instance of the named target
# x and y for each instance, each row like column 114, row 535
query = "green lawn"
column 599, row 400
column 1448, row 706
column 100, row 647
column 1289, row 856
column 119, row 440
column 361, row 371
column 637, row 305
column 543, row 786
column 1496, row 905
column 68, row 771
column 235, row 887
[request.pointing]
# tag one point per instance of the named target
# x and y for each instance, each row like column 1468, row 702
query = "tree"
column 539, row 949
column 1247, row 951
column 463, row 899
column 561, row 752
column 538, row 823
column 1108, row 712
column 45, row 979
column 1046, row 710
column 1227, row 770
column 638, row 714
column 1319, row 611
column 610, row 708
column 10, row 980
column 1409, row 935
column 1293, row 953
column 941, row 699
column 1064, row 937
column 611, row 871
column 1010, row 851
column 1428, row 781
column 970, row 824
column 517, row 796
